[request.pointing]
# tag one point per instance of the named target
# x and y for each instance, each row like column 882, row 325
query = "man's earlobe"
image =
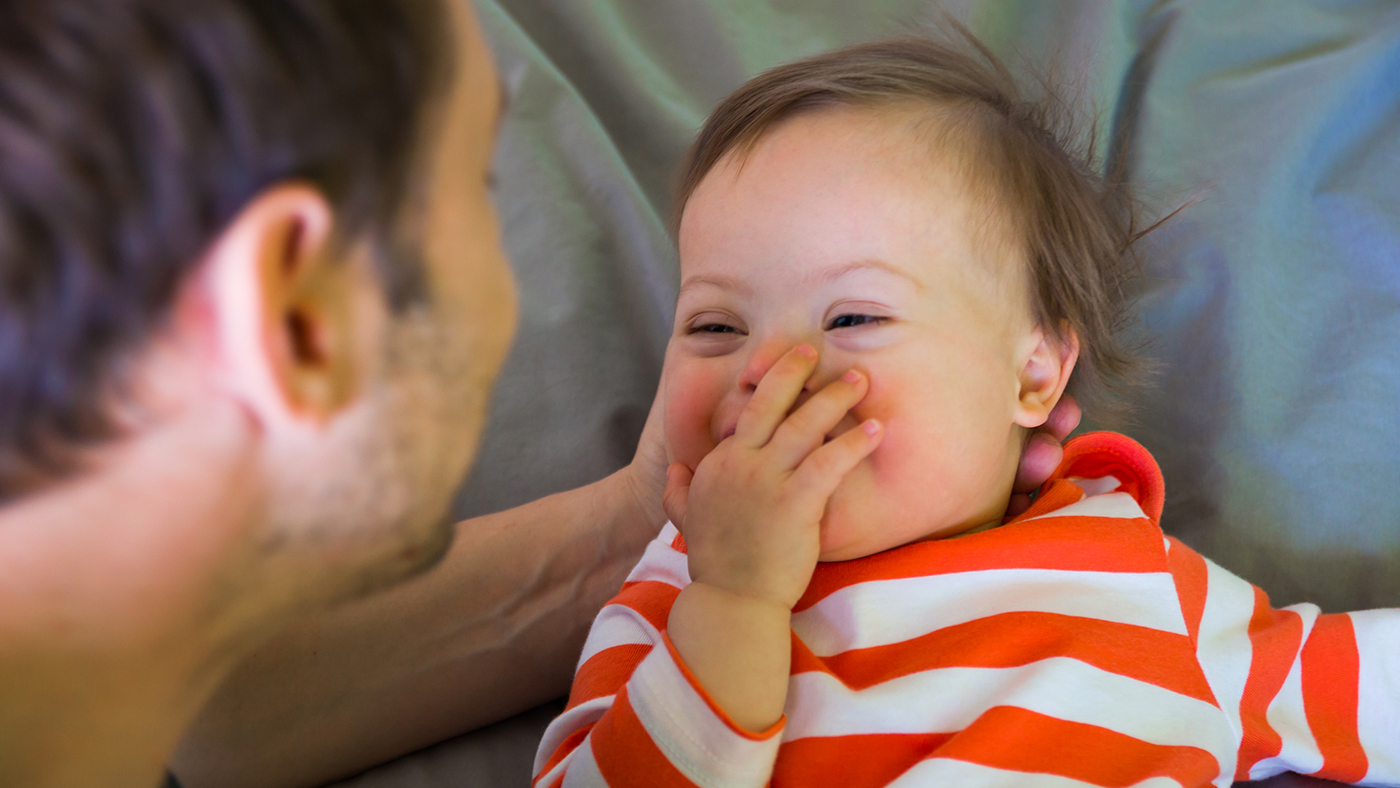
column 1045, row 372
column 286, row 322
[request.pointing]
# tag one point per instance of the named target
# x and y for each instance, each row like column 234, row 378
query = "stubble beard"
column 376, row 505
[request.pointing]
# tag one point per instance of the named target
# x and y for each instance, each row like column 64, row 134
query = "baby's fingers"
column 774, row 395
column 804, row 431
column 826, row 467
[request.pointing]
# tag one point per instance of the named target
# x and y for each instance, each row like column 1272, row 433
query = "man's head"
column 899, row 207
column 281, row 203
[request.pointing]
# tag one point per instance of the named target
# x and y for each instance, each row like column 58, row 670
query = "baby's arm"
column 1312, row 693
column 642, row 711
column 751, row 519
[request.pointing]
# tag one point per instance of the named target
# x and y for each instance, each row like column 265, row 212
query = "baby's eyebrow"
column 715, row 280
column 829, row 275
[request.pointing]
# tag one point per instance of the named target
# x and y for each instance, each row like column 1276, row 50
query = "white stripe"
column 1119, row 505
column 1288, row 717
column 697, row 742
column 880, row 612
column 1378, row 712
column 662, row 563
column 617, row 625
column 580, row 716
column 668, row 533
column 946, row 771
column 947, row 700
column 583, row 771
column 1099, row 486
column 1223, row 648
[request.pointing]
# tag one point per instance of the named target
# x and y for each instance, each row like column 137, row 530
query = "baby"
column 891, row 272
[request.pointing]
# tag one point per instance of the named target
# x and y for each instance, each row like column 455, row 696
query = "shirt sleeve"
column 1306, row 692
column 636, row 715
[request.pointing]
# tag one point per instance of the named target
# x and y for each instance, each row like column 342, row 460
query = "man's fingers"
column 1019, row 503
column 775, row 394
column 647, row 471
column 826, row 467
column 1043, row 450
column 1064, row 417
column 805, row 430
column 677, row 495
column 1040, row 459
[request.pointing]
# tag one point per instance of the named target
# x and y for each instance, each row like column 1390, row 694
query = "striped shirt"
column 1074, row 645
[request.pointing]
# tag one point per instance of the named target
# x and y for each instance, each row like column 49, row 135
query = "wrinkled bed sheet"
column 1273, row 299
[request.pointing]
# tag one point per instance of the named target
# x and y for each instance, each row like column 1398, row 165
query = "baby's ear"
column 1045, row 370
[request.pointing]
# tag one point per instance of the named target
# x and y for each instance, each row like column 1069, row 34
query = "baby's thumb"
column 677, row 493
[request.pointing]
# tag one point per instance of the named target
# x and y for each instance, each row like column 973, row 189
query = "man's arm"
column 493, row 630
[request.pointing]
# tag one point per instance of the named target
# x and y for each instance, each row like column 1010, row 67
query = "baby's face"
column 844, row 230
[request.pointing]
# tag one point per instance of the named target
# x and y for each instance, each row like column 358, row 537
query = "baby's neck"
column 987, row 526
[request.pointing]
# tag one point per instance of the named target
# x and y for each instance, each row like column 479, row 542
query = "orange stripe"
column 1054, row 494
column 1085, row 544
column 678, row 543
column 859, row 761
column 568, row 745
column 1331, row 678
column 651, row 599
column 1006, row 737
column 627, row 756
column 1010, row 640
column 1192, row 578
column 1274, row 636
column 1095, row 455
column 605, row 672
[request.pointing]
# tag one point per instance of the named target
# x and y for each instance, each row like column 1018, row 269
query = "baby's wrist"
column 748, row 595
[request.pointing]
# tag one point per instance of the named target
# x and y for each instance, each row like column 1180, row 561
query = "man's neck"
column 116, row 620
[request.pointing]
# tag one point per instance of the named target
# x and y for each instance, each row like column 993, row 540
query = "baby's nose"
column 762, row 360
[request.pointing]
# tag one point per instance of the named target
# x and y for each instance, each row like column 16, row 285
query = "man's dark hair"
column 133, row 131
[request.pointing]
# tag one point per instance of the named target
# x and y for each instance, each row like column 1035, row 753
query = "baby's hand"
column 751, row 511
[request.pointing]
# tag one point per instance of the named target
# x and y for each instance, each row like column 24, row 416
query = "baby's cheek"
column 691, row 399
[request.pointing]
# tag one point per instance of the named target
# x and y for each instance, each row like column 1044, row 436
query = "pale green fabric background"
column 1274, row 298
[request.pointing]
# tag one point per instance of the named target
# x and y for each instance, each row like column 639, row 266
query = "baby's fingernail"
column 807, row 350
column 851, row 377
column 870, row 427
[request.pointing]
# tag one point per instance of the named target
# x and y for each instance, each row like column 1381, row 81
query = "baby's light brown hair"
column 1076, row 226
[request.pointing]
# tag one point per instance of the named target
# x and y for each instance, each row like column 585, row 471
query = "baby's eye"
column 714, row 328
column 851, row 321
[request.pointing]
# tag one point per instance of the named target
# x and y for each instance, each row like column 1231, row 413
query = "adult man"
column 251, row 300
column 247, row 334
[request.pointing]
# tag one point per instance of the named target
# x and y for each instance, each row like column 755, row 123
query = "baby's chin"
column 862, row 522
column 850, row 530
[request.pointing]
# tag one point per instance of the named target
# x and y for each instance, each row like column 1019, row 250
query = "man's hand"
column 646, row 474
column 1043, row 453
column 751, row 511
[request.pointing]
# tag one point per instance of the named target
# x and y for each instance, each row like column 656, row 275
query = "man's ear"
column 284, row 308
column 1044, row 374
